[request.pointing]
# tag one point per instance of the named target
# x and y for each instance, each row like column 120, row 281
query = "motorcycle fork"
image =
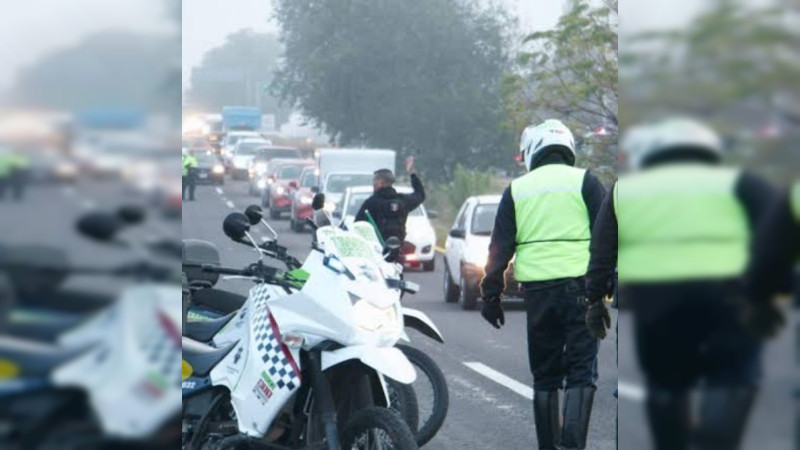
column 324, row 399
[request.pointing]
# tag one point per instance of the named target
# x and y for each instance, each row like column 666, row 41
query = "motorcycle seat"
column 218, row 300
column 34, row 358
column 204, row 330
column 202, row 357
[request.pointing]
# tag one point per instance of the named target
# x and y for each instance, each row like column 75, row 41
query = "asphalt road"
column 489, row 407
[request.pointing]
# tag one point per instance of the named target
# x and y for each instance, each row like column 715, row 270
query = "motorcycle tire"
column 404, row 402
column 393, row 431
column 430, row 423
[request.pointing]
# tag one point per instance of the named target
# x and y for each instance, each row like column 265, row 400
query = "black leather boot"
column 668, row 415
column 545, row 415
column 723, row 416
column 577, row 410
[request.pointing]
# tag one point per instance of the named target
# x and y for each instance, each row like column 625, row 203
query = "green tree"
column 239, row 73
column 732, row 61
column 570, row 71
column 423, row 77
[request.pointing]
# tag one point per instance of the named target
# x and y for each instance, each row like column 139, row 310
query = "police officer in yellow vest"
column 13, row 173
column 776, row 253
column 545, row 217
column 679, row 228
column 188, row 175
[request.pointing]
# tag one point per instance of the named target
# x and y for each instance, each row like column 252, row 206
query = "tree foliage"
column 422, row 77
column 732, row 61
column 239, row 72
column 570, row 71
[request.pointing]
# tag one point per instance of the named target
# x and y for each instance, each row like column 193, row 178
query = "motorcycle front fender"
column 387, row 361
column 417, row 320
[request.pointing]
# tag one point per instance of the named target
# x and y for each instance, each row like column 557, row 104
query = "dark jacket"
column 754, row 194
column 390, row 209
column 503, row 244
column 776, row 248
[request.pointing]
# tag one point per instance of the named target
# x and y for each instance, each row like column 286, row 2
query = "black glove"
column 597, row 318
column 764, row 319
column 492, row 311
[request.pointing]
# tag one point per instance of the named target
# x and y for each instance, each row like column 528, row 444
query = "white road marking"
column 219, row 190
column 499, row 378
column 631, row 391
column 230, row 204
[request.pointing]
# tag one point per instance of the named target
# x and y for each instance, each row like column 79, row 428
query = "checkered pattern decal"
column 277, row 358
column 159, row 342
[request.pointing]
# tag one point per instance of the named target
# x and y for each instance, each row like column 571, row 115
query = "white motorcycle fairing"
column 388, row 361
column 131, row 372
column 419, row 321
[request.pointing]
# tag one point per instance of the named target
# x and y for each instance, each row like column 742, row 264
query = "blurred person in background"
column 776, row 252
column 188, row 174
column 679, row 227
column 545, row 217
column 13, row 173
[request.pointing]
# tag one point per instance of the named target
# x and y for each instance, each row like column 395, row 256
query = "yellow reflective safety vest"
column 553, row 226
column 187, row 161
column 680, row 222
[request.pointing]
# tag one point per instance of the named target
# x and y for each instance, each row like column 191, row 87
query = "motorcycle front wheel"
column 377, row 428
column 432, row 395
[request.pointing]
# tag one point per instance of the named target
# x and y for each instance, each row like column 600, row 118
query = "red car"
column 283, row 176
column 302, row 196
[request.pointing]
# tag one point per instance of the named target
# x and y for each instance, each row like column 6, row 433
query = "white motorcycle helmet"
column 539, row 139
column 669, row 135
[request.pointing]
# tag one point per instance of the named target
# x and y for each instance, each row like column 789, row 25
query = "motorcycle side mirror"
column 393, row 243
column 99, row 226
column 318, row 202
column 236, row 226
column 131, row 214
column 254, row 214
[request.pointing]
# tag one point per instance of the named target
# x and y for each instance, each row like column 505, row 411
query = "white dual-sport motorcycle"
column 303, row 365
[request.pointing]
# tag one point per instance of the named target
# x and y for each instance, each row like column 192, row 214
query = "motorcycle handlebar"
column 224, row 270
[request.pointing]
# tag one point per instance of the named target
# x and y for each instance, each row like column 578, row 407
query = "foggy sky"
column 31, row 29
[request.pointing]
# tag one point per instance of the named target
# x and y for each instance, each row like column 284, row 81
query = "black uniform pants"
column 189, row 182
column 560, row 347
column 691, row 332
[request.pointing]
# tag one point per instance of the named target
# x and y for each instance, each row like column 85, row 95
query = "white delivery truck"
column 341, row 168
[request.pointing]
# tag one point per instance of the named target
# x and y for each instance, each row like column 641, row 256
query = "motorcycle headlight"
column 371, row 318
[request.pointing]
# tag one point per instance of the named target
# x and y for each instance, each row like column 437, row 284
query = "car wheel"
column 429, row 266
column 450, row 289
column 467, row 298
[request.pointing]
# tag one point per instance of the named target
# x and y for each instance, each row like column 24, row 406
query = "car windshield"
column 249, row 148
column 356, row 200
column 483, row 219
column 206, row 159
column 309, row 179
column 290, row 172
column 337, row 183
column 268, row 153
